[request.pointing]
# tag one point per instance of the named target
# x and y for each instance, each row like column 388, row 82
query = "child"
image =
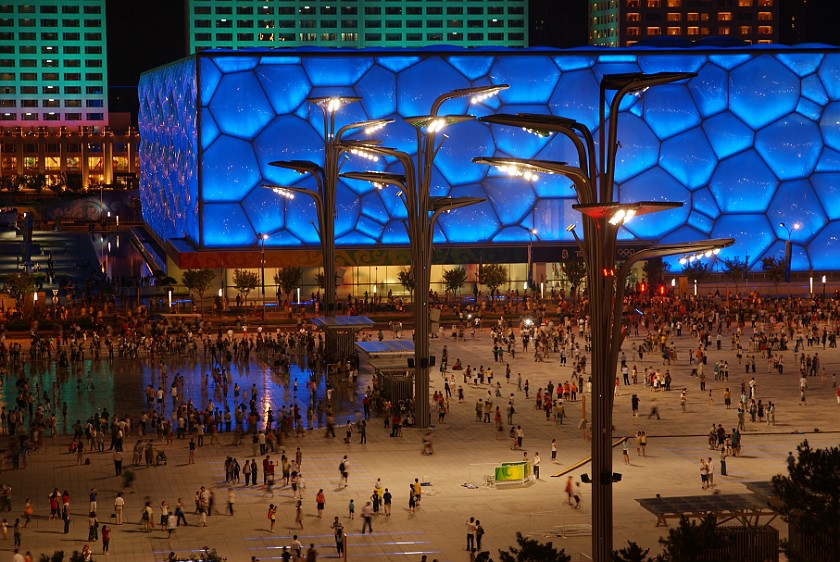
column 4, row 526
column 351, row 508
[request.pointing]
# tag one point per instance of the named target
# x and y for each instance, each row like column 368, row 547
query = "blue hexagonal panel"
column 763, row 90
column 791, row 146
column 750, row 142
column 738, row 192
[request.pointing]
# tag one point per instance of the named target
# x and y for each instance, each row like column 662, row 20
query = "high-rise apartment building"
column 621, row 23
column 236, row 24
column 53, row 66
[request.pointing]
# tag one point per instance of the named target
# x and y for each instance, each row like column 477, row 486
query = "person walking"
column 338, row 530
column 119, row 505
column 367, row 516
column 272, row 516
column 299, row 514
column 535, row 462
column 171, row 524
column 470, row 524
column 387, row 498
column 16, row 532
column 343, row 471
column 106, row 539
column 320, row 502
column 479, row 534
column 704, row 475
column 625, row 449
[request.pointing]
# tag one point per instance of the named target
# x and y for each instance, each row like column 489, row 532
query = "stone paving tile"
column 461, row 446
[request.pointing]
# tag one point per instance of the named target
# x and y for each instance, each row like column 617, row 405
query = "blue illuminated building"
column 752, row 141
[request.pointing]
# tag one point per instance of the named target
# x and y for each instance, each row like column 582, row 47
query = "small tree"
column 406, row 278
column 288, row 279
column 198, row 281
column 454, row 279
column 20, row 284
column 530, row 550
column 736, row 270
column 693, row 542
column 575, row 270
column 655, row 271
column 631, row 553
column 493, row 275
column 775, row 269
column 245, row 281
column 696, row 271
column 810, row 499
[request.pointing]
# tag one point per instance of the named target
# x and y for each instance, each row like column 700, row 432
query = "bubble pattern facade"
column 753, row 140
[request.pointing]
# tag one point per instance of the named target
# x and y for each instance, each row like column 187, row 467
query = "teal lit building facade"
column 752, row 141
column 238, row 24
column 53, row 63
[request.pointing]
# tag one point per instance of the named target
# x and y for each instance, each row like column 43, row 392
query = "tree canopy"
column 529, row 550
column 288, row 278
column 245, row 281
column 493, row 276
column 198, row 281
column 454, row 279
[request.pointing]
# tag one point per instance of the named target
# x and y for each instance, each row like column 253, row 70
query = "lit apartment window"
column 674, row 3
column 745, row 30
column 632, row 3
column 653, row 31
column 674, row 16
column 674, row 31
column 723, row 31
column 745, row 3
column 693, row 30
column 765, row 16
column 693, row 16
column 654, row 3
column 765, row 30
column 724, row 16
column 633, row 16
column 765, row 3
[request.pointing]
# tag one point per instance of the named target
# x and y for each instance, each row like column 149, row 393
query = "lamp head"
column 331, row 104
column 635, row 81
column 299, row 166
column 434, row 123
column 377, row 178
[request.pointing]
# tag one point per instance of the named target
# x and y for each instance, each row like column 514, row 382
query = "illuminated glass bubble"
column 531, row 79
column 513, row 198
column 239, row 105
column 225, row 224
column 578, row 106
column 229, row 170
column 210, row 78
column 795, row 202
column 710, row 90
column 300, row 214
column 286, row 86
column 397, row 63
column 347, row 210
column 419, row 85
column 830, row 125
column 802, row 64
column 512, row 234
column 655, row 185
column 209, row 130
column 513, row 141
column 394, row 233
column 378, row 91
column 569, row 62
column 310, row 146
column 727, row 134
column 332, row 71
column 762, row 91
column 682, row 234
column 689, row 158
column 790, row 146
column 231, row 65
column 809, row 109
column 370, row 228
column 355, row 238
column 700, row 221
column 752, row 234
column 827, row 188
column 373, row 206
column 639, row 148
column 473, row 68
column 466, row 140
column 829, row 161
column 728, row 61
column 825, row 247
column 552, row 216
column 462, row 226
column 737, row 192
column 813, row 90
column 264, row 209
column 829, row 74
column 686, row 61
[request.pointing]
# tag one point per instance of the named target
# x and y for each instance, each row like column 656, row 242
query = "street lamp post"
column 602, row 218
column 263, row 238
column 529, row 284
column 326, row 178
column 823, row 282
column 423, row 211
column 789, row 248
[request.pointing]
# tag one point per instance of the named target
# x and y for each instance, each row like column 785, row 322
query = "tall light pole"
column 326, row 178
column 423, row 212
column 789, row 248
column 530, row 280
column 602, row 218
column 263, row 238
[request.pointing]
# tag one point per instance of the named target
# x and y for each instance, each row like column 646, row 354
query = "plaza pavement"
column 676, row 443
